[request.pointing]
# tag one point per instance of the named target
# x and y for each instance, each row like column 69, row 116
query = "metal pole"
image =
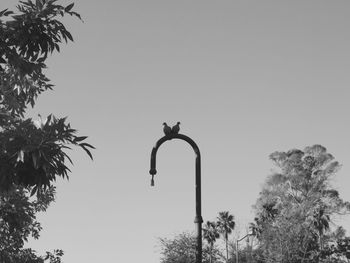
column 238, row 240
column 198, row 218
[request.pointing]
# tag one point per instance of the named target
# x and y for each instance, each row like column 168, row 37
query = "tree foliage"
column 18, row 223
column 225, row 224
column 32, row 152
column 182, row 249
column 295, row 209
column 210, row 234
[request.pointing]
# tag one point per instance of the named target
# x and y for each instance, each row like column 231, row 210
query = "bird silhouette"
column 176, row 128
column 166, row 129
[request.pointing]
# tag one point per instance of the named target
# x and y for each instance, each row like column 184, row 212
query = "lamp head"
column 152, row 172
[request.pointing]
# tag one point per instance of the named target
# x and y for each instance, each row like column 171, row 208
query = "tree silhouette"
column 225, row 224
column 210, row 234
column 295, row 208
column 32, row 152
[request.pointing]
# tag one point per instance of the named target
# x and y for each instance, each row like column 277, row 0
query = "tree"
column 32, row 152
column 246, row 254
column 18, row 222
column 296, row 206
column 226, row 224
column 210, row 234
column 321, row 223
column 182, row 249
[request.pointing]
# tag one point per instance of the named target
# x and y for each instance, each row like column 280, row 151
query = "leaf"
column 69, row 7
column 42, row 59
column 84, row 144
column 64, row 36
column 8, row 13
column 35, row 188
column 57, row 47
column 66, row 155
column 88, row 152
column 46, row 124
column 5, row 12
column 77, row 15
column 69, row 35
column 79, row 139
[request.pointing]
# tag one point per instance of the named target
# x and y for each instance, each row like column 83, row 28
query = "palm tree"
column 321, row 223
column 210, row 234
column 225, row 225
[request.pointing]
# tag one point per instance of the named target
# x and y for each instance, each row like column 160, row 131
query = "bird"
column 166, row 129
column 176, row 128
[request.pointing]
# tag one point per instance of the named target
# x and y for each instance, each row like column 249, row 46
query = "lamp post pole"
column 198, row 218
column 238, row 240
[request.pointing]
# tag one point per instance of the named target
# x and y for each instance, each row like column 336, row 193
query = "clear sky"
column 245, row 78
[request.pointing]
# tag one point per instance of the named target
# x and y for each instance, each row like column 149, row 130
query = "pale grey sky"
column 245, row 78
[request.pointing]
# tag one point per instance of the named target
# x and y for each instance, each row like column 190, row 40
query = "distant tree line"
column 294, row 220
column 182, row 248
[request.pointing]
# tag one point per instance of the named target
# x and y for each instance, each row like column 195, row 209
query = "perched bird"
column 176, row 128
column 166, row 129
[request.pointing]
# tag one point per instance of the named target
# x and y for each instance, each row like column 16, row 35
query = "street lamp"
column 238, row 240
column 198, row 218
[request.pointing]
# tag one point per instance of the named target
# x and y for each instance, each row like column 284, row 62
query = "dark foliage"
column 32, row 152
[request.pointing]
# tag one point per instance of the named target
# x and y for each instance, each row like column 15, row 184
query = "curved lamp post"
column 198, row 219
